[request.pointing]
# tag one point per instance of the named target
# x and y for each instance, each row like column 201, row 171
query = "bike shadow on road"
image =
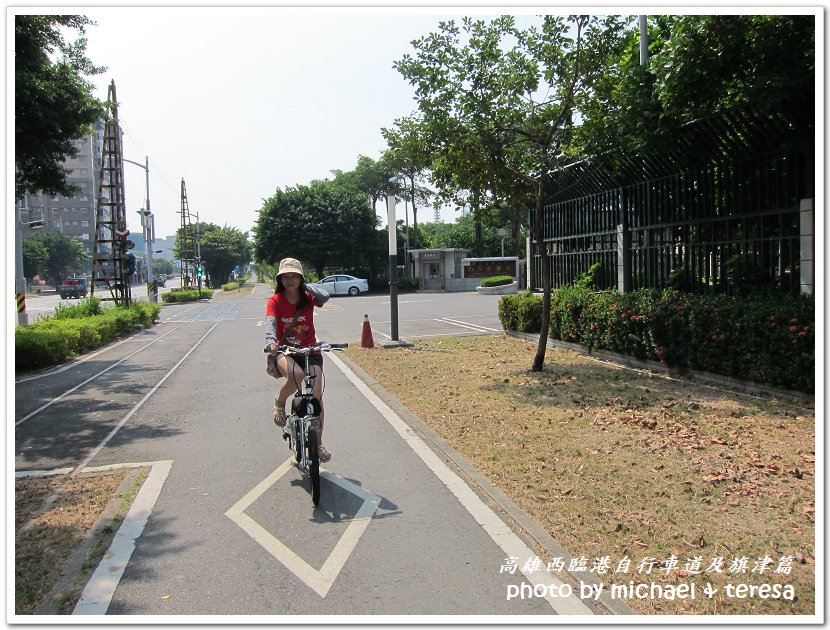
column 338, row 504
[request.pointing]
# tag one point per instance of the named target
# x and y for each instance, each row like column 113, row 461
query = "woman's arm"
column 321, row 296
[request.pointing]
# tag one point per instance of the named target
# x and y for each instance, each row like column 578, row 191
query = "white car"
column 342, row 284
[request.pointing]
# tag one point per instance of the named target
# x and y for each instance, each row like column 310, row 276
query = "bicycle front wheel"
column 313, row 465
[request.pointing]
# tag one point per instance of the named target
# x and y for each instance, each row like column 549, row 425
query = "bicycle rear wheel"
column 313, row 465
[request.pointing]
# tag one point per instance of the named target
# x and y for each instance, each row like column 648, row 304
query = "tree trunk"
column 539, row 359
column 479, row 229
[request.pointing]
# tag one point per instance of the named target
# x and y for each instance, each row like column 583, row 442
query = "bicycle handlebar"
column 320, row 345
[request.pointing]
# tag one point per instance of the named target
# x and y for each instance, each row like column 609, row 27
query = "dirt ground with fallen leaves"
column 688, row 484
column 52, row 518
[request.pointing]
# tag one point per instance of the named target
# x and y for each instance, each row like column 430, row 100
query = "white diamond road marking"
column 319, row 581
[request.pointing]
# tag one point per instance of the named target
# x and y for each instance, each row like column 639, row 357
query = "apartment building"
column 73, row 216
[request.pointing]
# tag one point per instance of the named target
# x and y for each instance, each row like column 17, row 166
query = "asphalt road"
column 225, row 525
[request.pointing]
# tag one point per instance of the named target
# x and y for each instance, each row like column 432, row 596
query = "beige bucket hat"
column 290, row 265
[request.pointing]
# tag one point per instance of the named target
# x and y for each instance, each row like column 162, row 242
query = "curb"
column 522, row 524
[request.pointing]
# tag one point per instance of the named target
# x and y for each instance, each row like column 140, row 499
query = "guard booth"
column 437, row 269
column 449, row 269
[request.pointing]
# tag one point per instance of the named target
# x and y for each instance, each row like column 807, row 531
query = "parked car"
column 342, row 284
column 72, row 288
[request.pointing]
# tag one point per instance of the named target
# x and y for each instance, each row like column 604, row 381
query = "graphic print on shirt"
column 300, row 331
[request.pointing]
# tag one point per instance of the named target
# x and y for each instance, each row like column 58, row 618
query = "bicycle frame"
column 301, row 427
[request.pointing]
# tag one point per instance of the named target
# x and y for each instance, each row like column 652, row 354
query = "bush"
column 85, row 308
column 42, row 347
column 408, row 284
column 188, row 295
column 765, row 338
column 381, row 285
column 54, row 339
column 496, row 281
column 521, row 312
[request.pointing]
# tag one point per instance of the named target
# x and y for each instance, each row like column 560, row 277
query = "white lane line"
column 98, row 593
column 116, row 364
column 86, row 357
column 319, row 581
column 141, row 402
column 501, row 534
column 468, row 325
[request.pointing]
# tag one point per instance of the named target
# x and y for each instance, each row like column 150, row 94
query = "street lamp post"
column 147, row 228
column 391, row 204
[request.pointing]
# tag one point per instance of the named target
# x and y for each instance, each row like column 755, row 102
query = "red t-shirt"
column 283, row 311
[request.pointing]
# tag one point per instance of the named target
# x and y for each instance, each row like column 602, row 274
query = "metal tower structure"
column 110, row 264
column 187, row 245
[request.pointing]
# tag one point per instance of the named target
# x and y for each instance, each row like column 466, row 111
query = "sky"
column 240, row 101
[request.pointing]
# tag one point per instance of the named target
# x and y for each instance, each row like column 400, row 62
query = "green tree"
column 222, row 249
column 320, row 223
column 53, row 103
column 35, row 256
column 698, row 65
column 369, row 177
column 462, row 235
column 497, row 103
column 67, row 255
column 410, row 156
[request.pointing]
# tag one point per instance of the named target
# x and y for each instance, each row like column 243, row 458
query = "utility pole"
column 187, row 244
column 110, row 262
column 20, row 279
column 643, row 41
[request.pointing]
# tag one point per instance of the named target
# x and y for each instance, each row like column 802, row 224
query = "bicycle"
column 301, row 426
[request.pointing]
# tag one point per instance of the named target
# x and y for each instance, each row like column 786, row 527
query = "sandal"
column 324, row 454
column 279, row 417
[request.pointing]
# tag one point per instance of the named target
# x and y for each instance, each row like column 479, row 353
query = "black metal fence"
column 721, row 212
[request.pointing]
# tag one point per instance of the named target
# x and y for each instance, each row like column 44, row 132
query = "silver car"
column 342, row 284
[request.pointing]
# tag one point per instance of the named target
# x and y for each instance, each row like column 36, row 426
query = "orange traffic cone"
column 366, row 341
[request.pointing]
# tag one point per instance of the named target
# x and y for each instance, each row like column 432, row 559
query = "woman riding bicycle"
column 289, row 320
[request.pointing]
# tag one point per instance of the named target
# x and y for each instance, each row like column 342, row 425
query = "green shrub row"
column 187, row 295
column 496, row 281
column 236, row 284
column 763, row 338
column 382, row 285
column 54, row 339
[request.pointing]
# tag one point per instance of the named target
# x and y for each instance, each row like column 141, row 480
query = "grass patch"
column 56, row 514
column 622, row 464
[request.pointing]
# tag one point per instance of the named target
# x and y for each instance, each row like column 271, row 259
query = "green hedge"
column 187, row 295
column 404, row 285
column 496, row 281
column 763, row 338
column 69, row 331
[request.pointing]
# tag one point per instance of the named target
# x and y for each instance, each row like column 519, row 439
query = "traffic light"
column 199, row 271
column 130, row 263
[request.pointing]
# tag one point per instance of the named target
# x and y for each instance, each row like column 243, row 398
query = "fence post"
column 808, row 245
column 623, row 247
column 531, row 277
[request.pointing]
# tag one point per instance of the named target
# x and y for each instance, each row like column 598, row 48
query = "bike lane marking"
column 319, row 581
column 497, row 529
column 98, row 592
